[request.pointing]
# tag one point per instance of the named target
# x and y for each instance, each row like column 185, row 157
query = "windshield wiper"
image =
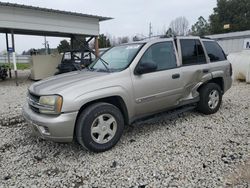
column 104, row 63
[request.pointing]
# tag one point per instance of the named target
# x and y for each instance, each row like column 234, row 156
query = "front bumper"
column 56, row 128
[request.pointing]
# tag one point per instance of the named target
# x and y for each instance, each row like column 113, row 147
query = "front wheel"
column 210, row 98
column 99, row 127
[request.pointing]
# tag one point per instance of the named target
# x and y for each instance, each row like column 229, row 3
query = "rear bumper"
column 228, row 84
column 56, row 128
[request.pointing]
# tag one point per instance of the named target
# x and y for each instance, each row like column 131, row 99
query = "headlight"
column 50, row 104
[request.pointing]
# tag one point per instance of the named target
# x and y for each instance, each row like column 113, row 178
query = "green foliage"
column 233, row 12
column 20, row 66
column 200, row 28
column 103, row 41
column 78, row 42
column 63, row 46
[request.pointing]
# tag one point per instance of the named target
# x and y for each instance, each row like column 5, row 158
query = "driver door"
column 161, row 88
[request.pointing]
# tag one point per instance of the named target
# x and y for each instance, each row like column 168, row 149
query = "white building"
column 233, row 42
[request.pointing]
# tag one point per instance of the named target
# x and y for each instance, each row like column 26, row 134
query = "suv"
column 127, row 83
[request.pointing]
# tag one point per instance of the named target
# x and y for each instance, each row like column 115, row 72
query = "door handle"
column 205, row 70
column 176, row 76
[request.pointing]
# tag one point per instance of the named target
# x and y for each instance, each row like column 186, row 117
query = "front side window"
column 117, row 58
column 214, row 51
column 162, row 54
column 192, row 52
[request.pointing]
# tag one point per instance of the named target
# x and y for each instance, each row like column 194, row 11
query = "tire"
column 210, row 99
column 99, row 127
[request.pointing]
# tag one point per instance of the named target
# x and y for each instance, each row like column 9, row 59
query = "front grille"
column 34, row 98
column 34, row 109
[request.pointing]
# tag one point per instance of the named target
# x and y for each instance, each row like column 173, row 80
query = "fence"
column 19, row 59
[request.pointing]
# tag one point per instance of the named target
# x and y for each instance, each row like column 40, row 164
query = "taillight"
column 231, row 69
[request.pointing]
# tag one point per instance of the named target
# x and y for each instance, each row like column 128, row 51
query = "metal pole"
column 8, row 53
column 71, row 42
column 96, row 46
column 14, row 56
column 45, row 45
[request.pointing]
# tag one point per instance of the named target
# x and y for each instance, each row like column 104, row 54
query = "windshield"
column 117, row 58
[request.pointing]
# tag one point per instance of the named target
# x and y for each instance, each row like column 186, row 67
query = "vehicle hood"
column 56, row 84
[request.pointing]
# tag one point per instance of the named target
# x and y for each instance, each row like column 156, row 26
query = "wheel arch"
column 114, row 100
column 217, row 80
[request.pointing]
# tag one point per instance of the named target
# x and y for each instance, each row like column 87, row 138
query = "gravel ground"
column 192, row 150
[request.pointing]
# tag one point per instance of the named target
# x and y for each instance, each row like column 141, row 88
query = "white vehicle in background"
column 241, row 65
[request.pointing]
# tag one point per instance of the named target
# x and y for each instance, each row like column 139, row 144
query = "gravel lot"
column 192, row 150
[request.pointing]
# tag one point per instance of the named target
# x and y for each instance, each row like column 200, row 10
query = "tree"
column 122, row 40
column 78, row 42
column 179, row 26
column 169, row 33
column 135, row 38
column 233, row 12
column 104, row 41
column 200, row 28
column 63, row 46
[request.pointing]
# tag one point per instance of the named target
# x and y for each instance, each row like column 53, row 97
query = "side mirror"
column 144, row 68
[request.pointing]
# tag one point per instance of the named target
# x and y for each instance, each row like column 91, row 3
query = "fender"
column 98, row 94
column 217, row 74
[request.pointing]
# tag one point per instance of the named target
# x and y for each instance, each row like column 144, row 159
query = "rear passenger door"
column 195, row 67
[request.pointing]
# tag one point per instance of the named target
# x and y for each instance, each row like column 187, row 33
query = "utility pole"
column 150, row 30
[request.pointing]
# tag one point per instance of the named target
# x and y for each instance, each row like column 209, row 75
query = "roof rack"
column 205, row 37
column 157, row 36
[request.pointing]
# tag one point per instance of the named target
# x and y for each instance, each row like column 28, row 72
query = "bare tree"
column 122, row 40
column 179, row 26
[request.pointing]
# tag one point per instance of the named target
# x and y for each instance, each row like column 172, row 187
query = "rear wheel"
column 210, row 98
column 99, row 127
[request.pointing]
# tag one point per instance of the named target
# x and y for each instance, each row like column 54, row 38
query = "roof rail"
column 205, row 37
column 157, row 36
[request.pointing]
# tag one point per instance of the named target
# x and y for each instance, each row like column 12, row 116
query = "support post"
column 14, row 56
column 71, row 42
column 8, row 54
column 96, row 46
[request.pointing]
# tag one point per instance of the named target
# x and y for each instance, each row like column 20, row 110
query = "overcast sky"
column 131, row 17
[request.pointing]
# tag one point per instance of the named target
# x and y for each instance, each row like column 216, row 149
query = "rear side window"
column 192, row 52
column 162, row 54
column 214, row 51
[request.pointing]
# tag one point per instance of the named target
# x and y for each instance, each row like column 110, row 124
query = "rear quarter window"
column 214, row 51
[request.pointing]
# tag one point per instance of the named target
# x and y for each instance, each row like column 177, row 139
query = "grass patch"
column 20, row 66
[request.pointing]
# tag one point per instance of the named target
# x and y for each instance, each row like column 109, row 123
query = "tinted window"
column 214, row 51
column 192, row 52
column 162, row 54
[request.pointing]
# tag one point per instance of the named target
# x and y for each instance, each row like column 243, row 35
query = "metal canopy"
column 30, row 20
